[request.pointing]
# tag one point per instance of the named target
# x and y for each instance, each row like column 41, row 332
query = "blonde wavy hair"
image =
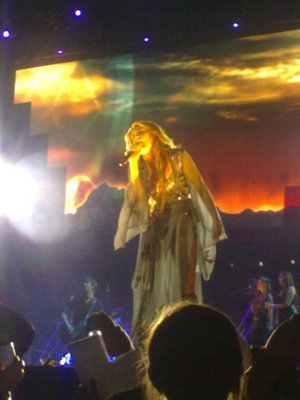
column 156, row 178
column 153, row 128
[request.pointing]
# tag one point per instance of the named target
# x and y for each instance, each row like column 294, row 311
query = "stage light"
column 146, row 39
column 60, row 52
column 293, row 262
column 18, row 192
column 66, row 360
column 77, row 12
column 235, row 25
column 6, row 34
column 260, row 264
column 118, row 319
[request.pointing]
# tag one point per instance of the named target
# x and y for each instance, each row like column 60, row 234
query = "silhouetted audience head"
column 15, row 328
column 274, row 375
column 194, row 352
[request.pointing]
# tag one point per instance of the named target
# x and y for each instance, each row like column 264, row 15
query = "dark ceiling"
column 40, row 28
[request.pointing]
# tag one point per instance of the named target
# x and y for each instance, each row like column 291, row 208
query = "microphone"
column 125, row 159
column 128, row 154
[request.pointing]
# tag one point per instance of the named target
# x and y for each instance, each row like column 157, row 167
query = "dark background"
column 38, row 28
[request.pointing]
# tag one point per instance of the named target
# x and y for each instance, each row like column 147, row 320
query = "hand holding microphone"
column 129, row 153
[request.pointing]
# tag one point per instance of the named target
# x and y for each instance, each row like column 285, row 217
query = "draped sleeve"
column 133, row 218
column 208, row 224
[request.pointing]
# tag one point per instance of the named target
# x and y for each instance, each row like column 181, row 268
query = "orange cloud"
column 63, row 87
column 238, row 115
column 57, row 156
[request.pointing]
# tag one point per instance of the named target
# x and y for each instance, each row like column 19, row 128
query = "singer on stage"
column 169, row 206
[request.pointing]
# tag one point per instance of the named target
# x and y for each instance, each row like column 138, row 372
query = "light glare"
column 78, row 12
column 5, row 34
column 18, row 192
column 66, row 360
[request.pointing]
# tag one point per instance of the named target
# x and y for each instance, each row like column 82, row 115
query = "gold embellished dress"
column 177, row 238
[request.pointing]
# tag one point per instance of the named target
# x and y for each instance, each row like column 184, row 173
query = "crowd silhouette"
column 189, row 352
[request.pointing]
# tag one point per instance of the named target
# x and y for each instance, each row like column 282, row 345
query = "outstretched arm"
column 291, row 293
column 67, row 322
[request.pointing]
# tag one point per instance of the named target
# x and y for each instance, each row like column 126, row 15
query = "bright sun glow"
column 18, row 193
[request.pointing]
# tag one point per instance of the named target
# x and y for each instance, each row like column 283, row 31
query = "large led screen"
column 233, row 105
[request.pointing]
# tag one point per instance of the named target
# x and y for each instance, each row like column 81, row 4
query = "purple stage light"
column 77, row 12
column 146, row 39
column 5, row 34
column 60, row 52
column 235, row 25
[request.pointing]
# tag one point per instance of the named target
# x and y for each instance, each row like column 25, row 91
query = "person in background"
column 79, row 309
column 262, row 316
column 168, row 204
column 288, row 304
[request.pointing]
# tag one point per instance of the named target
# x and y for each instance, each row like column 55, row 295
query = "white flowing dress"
column 176, row 247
